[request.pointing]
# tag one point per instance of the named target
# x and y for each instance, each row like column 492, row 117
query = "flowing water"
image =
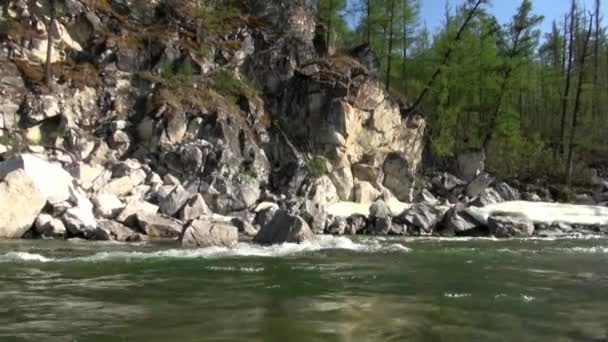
column 336, row 289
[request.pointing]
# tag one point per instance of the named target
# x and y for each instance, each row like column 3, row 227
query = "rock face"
column 20, row 204
column 206, row 233
column 284, row 227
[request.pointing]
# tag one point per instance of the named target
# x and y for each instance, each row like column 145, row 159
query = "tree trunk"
column 404, row 60
column 330, row 12
column 389, row 55
column 577, row 102
column 566, row 93
column 596, row 64
column 48, row 71
column 446, row 58
column 565, row 47
column 369, row 21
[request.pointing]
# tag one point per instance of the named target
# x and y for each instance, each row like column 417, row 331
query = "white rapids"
column 541, row 212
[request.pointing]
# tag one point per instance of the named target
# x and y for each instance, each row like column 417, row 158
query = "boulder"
column 283, row 228
column 245, row 228
column 342, row 179
column 506, row 192
column 426, row 196
column 51, row 180
column 315, row 214
column 48, row 226
column 264, row 213
column 380, row 216
column 457, row 221
column 20, row 203
column 119, row 186
column 107, row 205
column 478, row 185
column 78, row 223
column 470, row 164
column 398, row 177
column 425, row 216
column 364, row 192
column 337, row 227
column 119, row 232
column 173, row 202
column 207, row 233
column 488, row 197
column 510, row 226
column 87, row 174
column 135, row 205
column 159, row 226
column 194, row 208
column 324, row 191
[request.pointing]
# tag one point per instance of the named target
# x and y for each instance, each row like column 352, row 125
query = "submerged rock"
column 207, row 233
column 510, row 226
column 284, row 227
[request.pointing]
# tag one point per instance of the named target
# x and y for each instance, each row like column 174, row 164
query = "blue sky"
column 433, row 10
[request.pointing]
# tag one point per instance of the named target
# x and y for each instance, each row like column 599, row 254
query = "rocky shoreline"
column 129, row 202
column 253, row 133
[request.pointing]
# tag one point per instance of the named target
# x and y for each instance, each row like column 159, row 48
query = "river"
column 337, row 289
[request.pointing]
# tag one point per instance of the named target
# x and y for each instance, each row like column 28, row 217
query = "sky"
column 433, row 10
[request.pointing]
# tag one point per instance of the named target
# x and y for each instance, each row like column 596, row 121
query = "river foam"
column 241, row 250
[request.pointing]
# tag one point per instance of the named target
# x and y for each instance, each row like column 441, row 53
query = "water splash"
column 241, row 250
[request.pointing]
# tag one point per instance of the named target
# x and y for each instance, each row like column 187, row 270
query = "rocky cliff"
column 163, row 104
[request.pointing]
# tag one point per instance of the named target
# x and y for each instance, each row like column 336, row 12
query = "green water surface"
column 337, row 290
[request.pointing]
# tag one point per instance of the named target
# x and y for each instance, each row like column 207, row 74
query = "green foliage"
column 176, row 73
column 226, row 84
column 317, row 167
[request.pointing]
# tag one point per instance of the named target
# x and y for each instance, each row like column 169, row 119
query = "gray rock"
column 425, row 216
column 51, row 180
column 470, row 164
column 78, row 223
column 398, row 177
column 125, row 168
column 172, row 203
column 380, row 218
column 107, row 205
column 355, row 224
column 159, row 226
column 135, row 205
column 119, row 232
column 119, row 187
column 206, row 233
column 48, row 226
column 314, row 214
column 244, row 227
column 507, row 193
column 458, row 221
column 488, row 197
column 531, row 197
column 170, row 179
column 478, row 185
column 364, row 192
column 337, row 227
column 120, row 142
column 284, row 228
column 20, row 203
column 264, row 213
column 510, row 226
column 194, row 208
column 426, row 196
